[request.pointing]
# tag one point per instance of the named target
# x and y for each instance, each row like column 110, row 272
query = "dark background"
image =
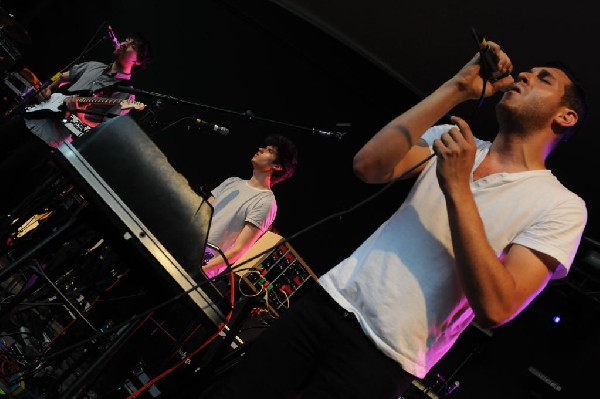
column 346, row 66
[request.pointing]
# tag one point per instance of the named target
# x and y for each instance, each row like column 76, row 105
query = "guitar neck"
column 100, row 100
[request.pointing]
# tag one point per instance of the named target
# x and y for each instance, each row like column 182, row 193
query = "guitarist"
column 23, row 155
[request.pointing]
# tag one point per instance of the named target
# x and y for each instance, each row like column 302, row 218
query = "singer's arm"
column 397, row 146
column 497, row 287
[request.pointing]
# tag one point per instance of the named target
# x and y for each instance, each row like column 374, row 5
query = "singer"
column 245, row 209
column 484, row 229
column 27, row 137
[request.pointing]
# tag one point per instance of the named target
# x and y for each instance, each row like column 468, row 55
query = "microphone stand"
column 247, row 114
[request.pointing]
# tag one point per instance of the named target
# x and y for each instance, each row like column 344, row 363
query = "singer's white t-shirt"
column 401, row 282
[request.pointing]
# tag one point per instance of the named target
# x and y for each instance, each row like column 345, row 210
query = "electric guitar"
column 80, row 124
column 56, row 101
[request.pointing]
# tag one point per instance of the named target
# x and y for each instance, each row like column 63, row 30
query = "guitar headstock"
column 126, row 104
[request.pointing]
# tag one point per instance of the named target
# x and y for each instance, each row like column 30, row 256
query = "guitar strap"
column 106, row 91
column 114, row 88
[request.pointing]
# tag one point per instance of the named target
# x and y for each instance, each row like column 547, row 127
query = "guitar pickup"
column 76, row 126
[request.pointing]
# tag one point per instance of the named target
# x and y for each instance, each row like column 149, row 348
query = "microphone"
column 113, row 37
column 337, row 135
column 489, row 59
column 219, row 129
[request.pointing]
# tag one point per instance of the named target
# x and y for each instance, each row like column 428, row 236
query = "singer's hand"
column 470, row 82
column 505, row 68
column 455, row 152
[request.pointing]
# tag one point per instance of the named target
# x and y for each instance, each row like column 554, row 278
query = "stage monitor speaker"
column 150, row 206
column 142, row 177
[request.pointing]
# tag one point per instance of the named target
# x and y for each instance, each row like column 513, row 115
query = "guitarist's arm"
column 47, row 91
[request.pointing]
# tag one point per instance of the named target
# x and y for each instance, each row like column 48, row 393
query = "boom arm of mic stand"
column 131, row 90
column 338, row 135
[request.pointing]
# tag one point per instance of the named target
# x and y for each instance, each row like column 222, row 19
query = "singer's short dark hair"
column 144, row 50
column 287, row 157
column 574, row 97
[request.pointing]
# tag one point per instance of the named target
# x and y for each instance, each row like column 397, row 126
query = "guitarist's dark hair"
column 144, row 50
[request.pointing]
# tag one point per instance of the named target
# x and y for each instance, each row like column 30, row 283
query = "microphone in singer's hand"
column 489, row 59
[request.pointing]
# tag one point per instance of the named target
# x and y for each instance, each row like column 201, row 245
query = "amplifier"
column 273, row 268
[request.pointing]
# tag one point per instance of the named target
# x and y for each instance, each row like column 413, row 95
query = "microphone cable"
column 488, row 61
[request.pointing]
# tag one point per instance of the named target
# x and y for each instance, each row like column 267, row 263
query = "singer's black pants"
column 314, row 350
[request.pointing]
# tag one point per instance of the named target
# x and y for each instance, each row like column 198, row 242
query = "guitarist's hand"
column 71, row 103
column 43, row 95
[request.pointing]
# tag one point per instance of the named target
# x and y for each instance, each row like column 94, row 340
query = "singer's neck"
column 260, row 180
column 518, row 152
column 117, row 67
